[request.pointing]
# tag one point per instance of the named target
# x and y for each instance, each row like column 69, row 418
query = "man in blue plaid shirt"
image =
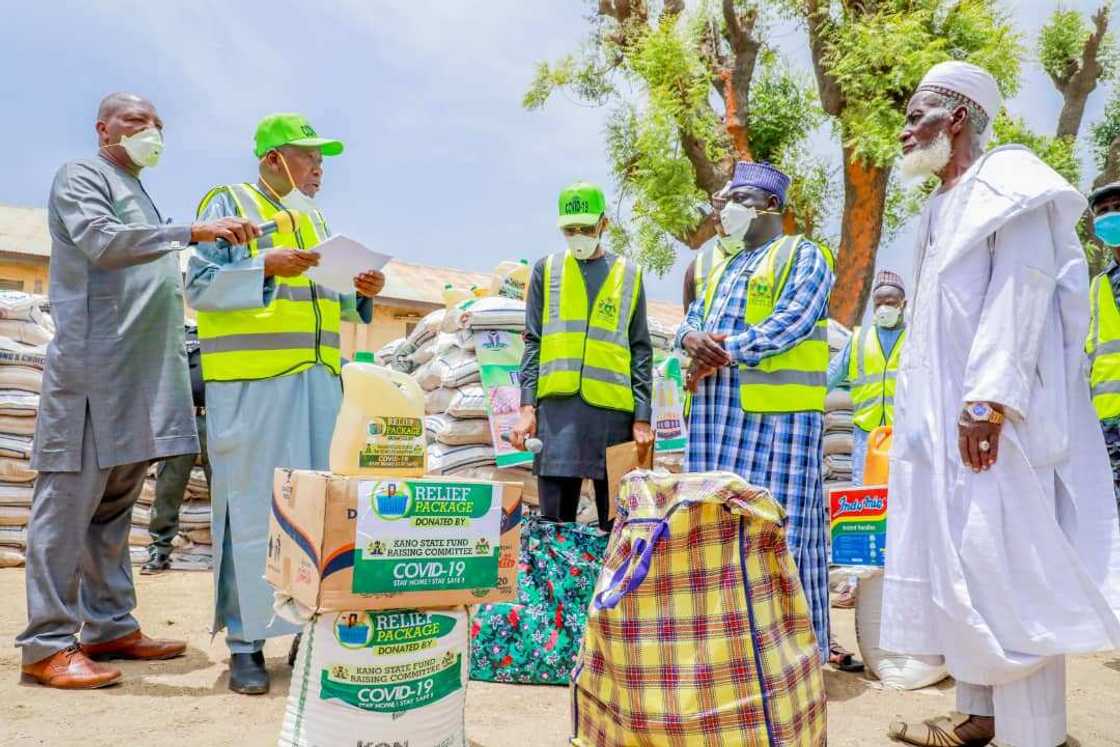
column 764, row 420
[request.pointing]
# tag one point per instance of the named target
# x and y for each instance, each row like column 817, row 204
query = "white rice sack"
column 443, row 458
column 387, row 352
column 21, row 379
column 380, row 678
column 17, row 447
column 426, row 352
column 438, row 400
column 15, row 516
column 465, row 339
column 30, row 333
column 426, row 328
column 138, row 536
column 838, row 335
column 838, row 443
column 456, row 432
column 469, row 402
column 495, row 313
column 16, row 470
column 11, row 557
column 430, row 375
column 838, row 420
column 16, row 353
column 898, row 671
column 19, row 306
column 16, row 402
column 15, row 495
column 460, row 368
column 14, row 537
column 838, row 399
column 17, row 425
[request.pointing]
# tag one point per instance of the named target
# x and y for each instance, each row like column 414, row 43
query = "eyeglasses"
column 592, row 230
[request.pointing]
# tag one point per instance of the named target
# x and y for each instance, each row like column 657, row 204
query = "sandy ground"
column 186, row 701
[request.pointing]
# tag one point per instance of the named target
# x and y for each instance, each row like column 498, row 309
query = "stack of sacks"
column 459, row 436
column 191, row 549
column 416, row 349
column 25, row 329
column 837, row 421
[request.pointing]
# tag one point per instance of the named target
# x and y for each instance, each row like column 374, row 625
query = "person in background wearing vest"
column 759, row 347
column 270, row 358
column 115, row 397
column 587, row 371
column 868, row 364
column 727, row 242
column 1103, row 343
column 173, row 474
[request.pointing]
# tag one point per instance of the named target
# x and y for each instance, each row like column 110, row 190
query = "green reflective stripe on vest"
column 300, row 327
column 585, row 348
column 1103, row 347
column 873, row 377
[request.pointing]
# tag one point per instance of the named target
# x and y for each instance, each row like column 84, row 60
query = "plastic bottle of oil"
column 511, row 279
column 453, row 296
column 380, row 426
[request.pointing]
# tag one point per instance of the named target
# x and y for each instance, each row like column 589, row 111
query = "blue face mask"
column 1107, row 228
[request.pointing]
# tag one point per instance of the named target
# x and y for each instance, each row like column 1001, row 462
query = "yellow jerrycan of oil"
column 511, row 279
column 453, row 296
column 876, row 467
column 380, row 426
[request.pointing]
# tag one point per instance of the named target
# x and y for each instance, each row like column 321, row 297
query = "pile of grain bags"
column 25, row 329
column 837, row 421
column 191, row 549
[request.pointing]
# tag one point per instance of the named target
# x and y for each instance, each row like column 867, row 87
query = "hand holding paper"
column 343, row 262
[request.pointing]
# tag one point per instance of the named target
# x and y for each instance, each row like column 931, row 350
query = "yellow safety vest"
column 706, row 261
column 793, row 381
column 586, row 348
column 872, row 376
column 298, row 329
column 1103, row 347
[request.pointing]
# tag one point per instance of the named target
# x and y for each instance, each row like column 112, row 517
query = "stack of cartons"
column 384, row 570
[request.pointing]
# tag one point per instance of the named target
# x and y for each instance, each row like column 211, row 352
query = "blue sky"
column 442, row 165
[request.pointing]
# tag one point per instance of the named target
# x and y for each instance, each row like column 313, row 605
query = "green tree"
column 1077, row 55
column 868, row 57
column 689, row 93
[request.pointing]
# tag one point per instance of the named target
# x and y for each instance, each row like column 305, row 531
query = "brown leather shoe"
column 70, row 669
column 135, row 645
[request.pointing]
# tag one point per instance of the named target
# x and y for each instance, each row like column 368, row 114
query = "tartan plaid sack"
column 698, row 632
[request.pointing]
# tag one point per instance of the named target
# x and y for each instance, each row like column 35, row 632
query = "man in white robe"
column 1003, row 548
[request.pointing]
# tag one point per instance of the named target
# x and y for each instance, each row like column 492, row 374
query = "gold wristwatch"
column 982, row 412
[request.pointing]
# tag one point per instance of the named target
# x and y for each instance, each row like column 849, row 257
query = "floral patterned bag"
column 536, row 640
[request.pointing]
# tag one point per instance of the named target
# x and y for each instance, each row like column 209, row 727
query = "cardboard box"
column 368, row 543
column 859, row 525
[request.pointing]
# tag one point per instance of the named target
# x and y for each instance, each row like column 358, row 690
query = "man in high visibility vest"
column 587, row 371
column 868, row 365
column 1103, row 343
column 758, row 342
column 270, row 358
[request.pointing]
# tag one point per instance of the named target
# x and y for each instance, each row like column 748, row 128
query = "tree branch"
column 1080, row 78
column 745, row 47
column 701, row 234
column 832, row 99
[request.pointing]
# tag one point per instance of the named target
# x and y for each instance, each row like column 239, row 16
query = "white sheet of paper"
column 341, row 258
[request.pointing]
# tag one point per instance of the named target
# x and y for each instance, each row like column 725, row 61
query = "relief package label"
column 365, row 679
column 393, row 443
column 426, row 535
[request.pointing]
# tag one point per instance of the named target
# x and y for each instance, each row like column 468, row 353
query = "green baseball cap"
column 581, row 204
column 291, row 129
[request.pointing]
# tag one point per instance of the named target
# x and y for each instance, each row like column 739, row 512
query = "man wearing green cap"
column 270, row 357
column 586, row 375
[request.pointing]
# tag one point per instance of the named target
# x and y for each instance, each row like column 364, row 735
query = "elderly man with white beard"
column 1004, row 550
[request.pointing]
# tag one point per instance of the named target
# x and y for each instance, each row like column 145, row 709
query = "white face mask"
column 298, row 201
column 143, row 148
column 582, row 247
column 735, row 219
column 887, row 317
